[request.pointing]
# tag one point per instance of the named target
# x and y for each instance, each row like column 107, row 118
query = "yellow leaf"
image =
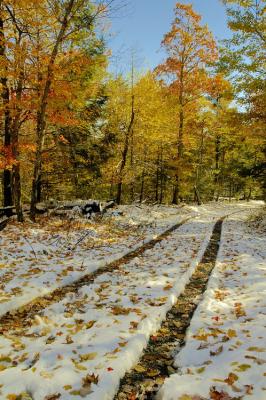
column 231, row 333
column 80, row 367
column 153, row 372
column 47, row 375
column 242, row 367
column 258, row 349
column 5, row 359
column 87, row 357
column 139, row 368
column 200, row 370
column 160, row 381
column 89, row 324
column 122, row 344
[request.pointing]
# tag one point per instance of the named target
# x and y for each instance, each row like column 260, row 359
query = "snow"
column 107, row 324
column 100, row 332
column 38, row 258
column 224, row 355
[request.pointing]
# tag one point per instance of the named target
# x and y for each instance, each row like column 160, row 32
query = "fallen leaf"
column 87, row 357
column 231, row 379
column 67, row 387
column 249, row 389
column 242, row 367
column 168, row 287
column 153, row 372
column 231, row 333
column 258, row 349
column 53, row 396
column 200, row 370
column 89, row 324
column 216, row 395
column 217, row 352
column 139, row 368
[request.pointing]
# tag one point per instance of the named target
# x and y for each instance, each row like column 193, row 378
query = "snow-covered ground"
column 38, row 258
column 101, row 331
column 84, row 344
column 224, row 356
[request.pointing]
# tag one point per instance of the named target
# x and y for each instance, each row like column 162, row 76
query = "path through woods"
column 84, row 342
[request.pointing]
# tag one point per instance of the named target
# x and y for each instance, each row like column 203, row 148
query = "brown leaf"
column 89, row 379
column 217, row 352
column 69, row 339
column 231, row 379
column 53, row 396
column 89, row 324
column 216, row 395
column 249, row 389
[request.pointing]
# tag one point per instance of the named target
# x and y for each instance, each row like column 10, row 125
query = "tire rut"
column 22, row 317
column 157, row 361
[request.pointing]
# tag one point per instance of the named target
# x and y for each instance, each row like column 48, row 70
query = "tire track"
column 156, row 363
column 23, row 316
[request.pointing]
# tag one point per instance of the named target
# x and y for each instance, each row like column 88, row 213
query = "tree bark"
column 180, row 144
column 15, row 149
column 143, row 175
column 157, row 176
column 197, row 196
column 124, row 154
column 132, row 184
column 7, row 175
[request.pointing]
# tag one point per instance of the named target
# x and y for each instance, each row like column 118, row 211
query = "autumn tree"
column 243, row 60
column 59, row 28
column 153, row 121
column 15, row 109
column 190, row 47
column 243, row 55
column 5, row 112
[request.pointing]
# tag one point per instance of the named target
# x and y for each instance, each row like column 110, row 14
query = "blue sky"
column 143, row 23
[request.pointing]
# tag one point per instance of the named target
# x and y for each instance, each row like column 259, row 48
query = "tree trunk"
column 217, row 167
column 124, row 155
column 7, row 175
column 17, row 191
column 180, row 144
column 132, row 184
column 197, row 196
column 161, row 177
column 157, row 177
column 41, row 113
column 176, row 190
column 15, row 147
column 200, row 160
column 143, row 175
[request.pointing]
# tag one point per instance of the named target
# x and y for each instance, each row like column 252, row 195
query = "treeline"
column 192, row 129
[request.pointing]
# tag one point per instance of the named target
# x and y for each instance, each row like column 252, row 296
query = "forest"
column 191, row 129
column 133, row 219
